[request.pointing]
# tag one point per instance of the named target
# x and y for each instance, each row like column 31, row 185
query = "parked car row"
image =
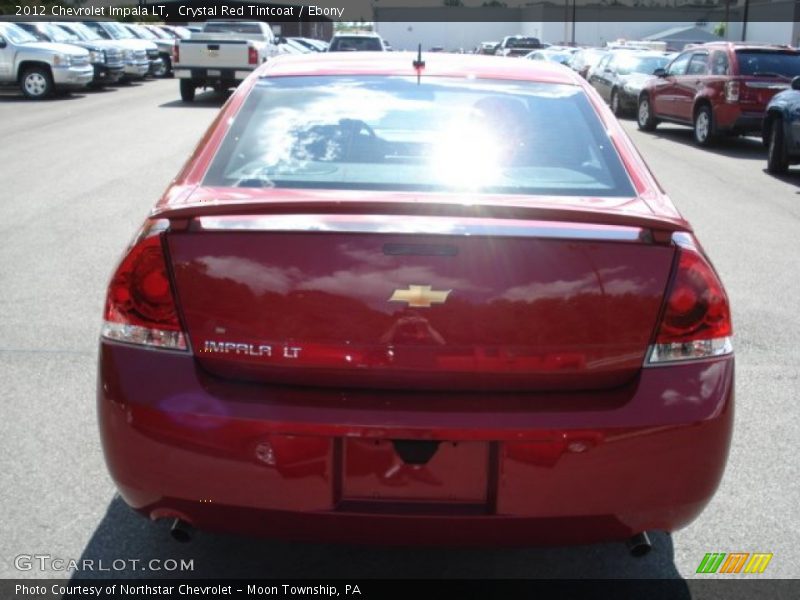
column 43, row 58
column 719, row 89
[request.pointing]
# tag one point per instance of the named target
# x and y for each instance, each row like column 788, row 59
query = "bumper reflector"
column 134, row 334
column 692, row 350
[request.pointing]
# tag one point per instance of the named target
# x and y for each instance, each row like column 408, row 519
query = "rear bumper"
column 209, row 76
column 749, row 123
column 319, row 464
column 731, row 118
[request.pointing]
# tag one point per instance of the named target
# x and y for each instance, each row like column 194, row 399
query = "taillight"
column 696, row 322
column 140, row 306
column 731, row 91
column 252, row 56
column 176, row 54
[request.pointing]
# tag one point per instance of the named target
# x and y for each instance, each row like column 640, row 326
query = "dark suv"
column 718, row 88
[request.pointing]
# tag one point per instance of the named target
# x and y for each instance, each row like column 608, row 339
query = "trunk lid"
column 419, row 302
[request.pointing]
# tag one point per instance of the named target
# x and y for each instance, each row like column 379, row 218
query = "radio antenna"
column 419, row 64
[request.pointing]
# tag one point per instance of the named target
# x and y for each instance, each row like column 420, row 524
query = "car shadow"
column 123, row 534
column 749, row 148
column 792, row 176
column 207, row 99
column 16, row 96
column 109, row 87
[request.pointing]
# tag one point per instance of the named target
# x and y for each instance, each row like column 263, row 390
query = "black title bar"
column 355, row 11
column 370, row 589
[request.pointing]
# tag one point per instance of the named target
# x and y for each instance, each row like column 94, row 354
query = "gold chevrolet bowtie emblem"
column 419, row 296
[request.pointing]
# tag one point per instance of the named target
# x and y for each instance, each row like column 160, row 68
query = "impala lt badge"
column 420, row 296
column 250, row 349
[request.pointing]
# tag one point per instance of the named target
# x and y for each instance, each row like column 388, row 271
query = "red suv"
column 718, row 88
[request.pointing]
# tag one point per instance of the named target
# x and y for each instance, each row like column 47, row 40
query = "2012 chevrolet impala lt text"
column 437, row 301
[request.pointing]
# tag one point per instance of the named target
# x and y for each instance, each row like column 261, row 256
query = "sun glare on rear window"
column 441, row 134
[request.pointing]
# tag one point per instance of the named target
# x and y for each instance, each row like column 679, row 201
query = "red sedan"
column 431, row 302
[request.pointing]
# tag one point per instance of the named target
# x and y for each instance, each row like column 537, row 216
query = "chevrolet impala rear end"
column 426, row 302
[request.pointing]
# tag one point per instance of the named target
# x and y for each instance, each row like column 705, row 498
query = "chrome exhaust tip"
column 639, row 545
column 181, row 531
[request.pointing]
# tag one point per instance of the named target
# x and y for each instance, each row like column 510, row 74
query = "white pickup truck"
column 222, row 55
column 41, row 68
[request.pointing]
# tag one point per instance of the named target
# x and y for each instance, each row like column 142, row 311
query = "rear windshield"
column 359, row 44
column 531, row 43
column 768, row 63
column 441, row 134
column 232, row 28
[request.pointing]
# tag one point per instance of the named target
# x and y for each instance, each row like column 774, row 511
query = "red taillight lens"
column 252, row 56
column 697, row 321
column 140, row 306
column 697, row 306
column 176, row 54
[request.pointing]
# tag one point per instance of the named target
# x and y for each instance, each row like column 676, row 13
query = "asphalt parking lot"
column 77, row 176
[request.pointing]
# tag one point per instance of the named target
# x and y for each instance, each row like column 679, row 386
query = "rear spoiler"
column 571, row 224
column 182, row 203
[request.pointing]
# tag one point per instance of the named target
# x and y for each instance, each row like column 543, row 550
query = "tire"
column 167, row 66
column 187, row 90
column 703, row 126
column 644, row 115
column 37, row 83
column 616, row 108
column 777, row 160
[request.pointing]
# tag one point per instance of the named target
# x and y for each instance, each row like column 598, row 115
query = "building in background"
column 587, row 22
column 677, row 37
